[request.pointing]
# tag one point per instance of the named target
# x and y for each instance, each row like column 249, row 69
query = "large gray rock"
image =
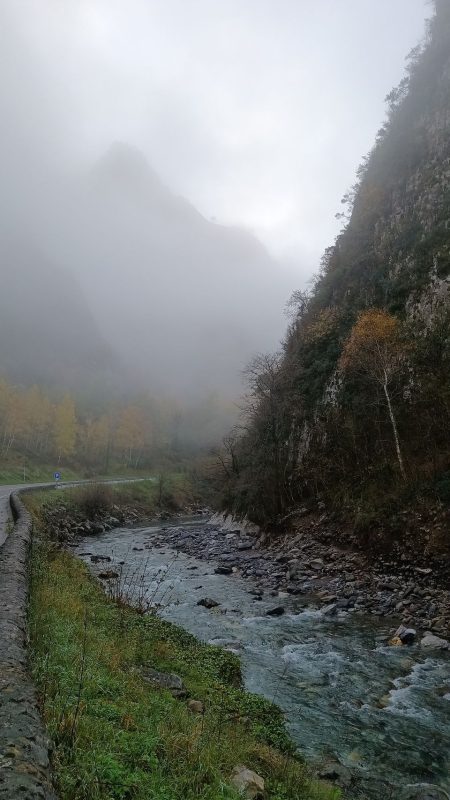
column 165, row 680
column 247, row 782
column 432, row 642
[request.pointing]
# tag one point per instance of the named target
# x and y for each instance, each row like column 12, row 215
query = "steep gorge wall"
column 318, row 431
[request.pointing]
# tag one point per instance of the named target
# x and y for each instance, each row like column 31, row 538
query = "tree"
column 130, row 433
column 374, row 349
column 265, row 413
column 64, row 427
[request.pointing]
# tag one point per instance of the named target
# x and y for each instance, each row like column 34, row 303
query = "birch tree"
column 374, row 349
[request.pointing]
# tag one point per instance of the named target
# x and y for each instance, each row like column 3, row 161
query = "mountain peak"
column 126, row 167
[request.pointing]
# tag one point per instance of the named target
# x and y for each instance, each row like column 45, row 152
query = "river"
column 383, row 712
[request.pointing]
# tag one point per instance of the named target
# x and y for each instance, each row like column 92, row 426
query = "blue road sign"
column 57, row 476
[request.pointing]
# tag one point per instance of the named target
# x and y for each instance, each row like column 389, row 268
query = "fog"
column 170, row 174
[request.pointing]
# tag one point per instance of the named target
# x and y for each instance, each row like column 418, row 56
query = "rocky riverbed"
column 311, row 560
column 340, row 579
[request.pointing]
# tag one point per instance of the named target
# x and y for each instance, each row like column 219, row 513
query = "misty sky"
column 258, row 111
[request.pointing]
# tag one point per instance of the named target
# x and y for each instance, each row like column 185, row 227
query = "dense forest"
column 354, row 412
column 42, row 426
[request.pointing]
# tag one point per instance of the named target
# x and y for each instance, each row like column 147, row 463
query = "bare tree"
column 374, row 349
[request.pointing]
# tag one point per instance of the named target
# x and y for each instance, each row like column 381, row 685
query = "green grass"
column 13, row 472
column 36, row 471
column 88, row 500
column 115, row 736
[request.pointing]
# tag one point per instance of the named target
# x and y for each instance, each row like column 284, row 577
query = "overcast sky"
column 258, row 111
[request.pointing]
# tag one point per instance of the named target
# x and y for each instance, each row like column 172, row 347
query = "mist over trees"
column 42, row 427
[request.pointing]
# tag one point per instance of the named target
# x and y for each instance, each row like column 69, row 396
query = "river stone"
column 108, row 575
column 337, row 773
column 222, row 570
column 406, row 635
column 165, row 680
column 207, row 602
column 430, row 641
column 247, row 782
column 278, row 611
column 426, row 793
column 343, row 603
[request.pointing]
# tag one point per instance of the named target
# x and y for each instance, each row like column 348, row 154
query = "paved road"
column 5, row 491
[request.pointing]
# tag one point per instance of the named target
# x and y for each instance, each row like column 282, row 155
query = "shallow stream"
column 382, row 711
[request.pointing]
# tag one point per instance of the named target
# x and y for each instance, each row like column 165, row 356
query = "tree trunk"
column 394, row 428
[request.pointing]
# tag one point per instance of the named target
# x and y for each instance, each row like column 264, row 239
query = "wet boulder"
column 406, row 635
column 330, row 610
column 337, row 773
column 108, row 575
column 277, row 611
column 223, row 570
column 208, row 602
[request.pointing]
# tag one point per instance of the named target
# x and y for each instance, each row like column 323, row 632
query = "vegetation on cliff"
column 355, row 409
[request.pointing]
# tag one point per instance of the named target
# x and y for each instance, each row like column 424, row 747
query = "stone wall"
column 24, row 746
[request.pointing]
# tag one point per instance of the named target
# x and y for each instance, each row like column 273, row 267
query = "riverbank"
column 138, row 708
column 311, row 563
column 312, row 559
column 371, row 716
column 308, row 643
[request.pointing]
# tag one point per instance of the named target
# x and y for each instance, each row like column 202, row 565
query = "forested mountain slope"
column 355, row 410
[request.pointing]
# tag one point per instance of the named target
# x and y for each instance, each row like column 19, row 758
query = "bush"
column 94, row 499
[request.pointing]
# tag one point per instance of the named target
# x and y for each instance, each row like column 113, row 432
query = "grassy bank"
column 17, row 467
column 116, row 736
column 12, row 471
column 92, row 501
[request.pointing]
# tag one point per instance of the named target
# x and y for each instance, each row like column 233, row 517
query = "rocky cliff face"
column 324, row 423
